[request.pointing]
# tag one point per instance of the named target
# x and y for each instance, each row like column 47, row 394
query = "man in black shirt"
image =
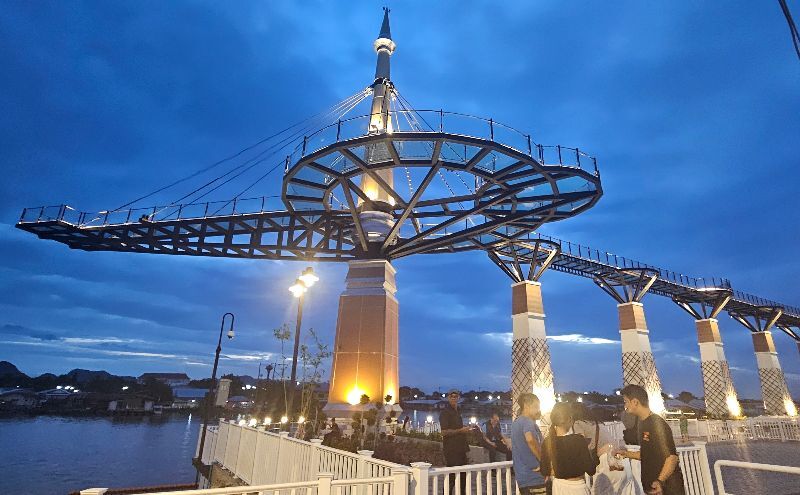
column 454, row 438
column 494, row 441
column 661, row 473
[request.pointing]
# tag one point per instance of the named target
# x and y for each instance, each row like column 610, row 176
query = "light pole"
column 298, row 289
column 211, row 399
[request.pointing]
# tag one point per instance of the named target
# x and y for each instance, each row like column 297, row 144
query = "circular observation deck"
column 443, row 182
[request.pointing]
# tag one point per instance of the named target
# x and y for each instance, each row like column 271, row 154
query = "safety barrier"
column 751, row 466
column 761, row 428
column 324, row 484
column 259, row 457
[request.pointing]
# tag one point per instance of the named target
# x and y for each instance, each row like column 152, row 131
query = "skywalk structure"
column 398, row 181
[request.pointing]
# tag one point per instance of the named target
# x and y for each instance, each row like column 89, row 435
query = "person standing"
column 661, row 473
column 684, row 425
column 526, row 446
column 494, row 441
column 454, row 439
column 565, row 456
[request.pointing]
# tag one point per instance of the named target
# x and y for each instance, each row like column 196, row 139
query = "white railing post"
column 705, row 468
column 361, row 468
column 400, row 476
column 782, row 429
column 94, row 491
column 324, row 480
column 420, row 472
column 315, row 443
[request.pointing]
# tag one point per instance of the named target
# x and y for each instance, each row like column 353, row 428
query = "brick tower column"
column 530, row 356
column 718, row 390
column 365, row 354
column 774, row 392
column 638, row 365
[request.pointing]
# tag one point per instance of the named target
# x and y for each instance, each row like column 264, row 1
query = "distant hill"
column 10, row 371
column 85, row 376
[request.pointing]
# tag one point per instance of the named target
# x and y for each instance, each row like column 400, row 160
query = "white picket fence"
column 323, row 485
column 751, row 466
column 761, row 428
column 258, row 457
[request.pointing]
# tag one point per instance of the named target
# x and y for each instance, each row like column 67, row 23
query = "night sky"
column 691, row 109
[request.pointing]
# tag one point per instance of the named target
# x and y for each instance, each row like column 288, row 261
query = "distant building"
column 18, row 398
column 188, row 398
column 240, row 402
column 131, row 405
column 223, row 390
column 55, row 394
column 171, row 379
column 752, row 407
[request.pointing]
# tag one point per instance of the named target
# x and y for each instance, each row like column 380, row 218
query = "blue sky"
column 691, row 109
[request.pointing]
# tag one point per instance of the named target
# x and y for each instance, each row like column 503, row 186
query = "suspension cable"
column 223, row 160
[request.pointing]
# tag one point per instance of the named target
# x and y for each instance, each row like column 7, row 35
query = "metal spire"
column 377, row 219
column 386, row 33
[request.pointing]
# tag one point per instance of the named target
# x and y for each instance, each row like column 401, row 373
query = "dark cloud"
column 691, row 112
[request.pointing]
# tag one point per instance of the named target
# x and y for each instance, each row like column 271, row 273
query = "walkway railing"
column 258, row 457
column 480, row 479
column 437, row 121
column 693, row 461
column 760, row 428
column 753, row 467
column 323, row 485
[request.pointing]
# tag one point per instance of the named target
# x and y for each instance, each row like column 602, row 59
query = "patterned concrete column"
column 638, row 365
column 720, row 395
column 365, row 354
column 530, row 356
column 777, row 401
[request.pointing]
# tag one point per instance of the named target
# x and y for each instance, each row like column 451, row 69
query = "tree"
column 686, row 397
column 312, row 359
column 158, row 390
column 283, row 334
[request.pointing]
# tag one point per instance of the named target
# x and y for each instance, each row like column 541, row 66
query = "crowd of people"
column 559, row 464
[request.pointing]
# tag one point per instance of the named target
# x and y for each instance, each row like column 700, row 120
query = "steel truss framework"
column 514, row 192
column 326, row 236
column 627, row 280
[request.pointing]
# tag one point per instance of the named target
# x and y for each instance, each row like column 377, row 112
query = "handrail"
column 576, row 250
column 747, row 465
column 524, row 142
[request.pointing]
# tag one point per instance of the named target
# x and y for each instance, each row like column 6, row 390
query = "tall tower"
column 365, row 355
column 377, row 219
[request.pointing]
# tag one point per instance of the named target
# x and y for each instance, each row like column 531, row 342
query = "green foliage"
column 434, row 436
column 158, row 390
column 408, row 452
column 364, row 399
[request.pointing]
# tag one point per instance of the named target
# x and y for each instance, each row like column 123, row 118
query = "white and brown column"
column 638, row 365
column 718, row 390
column 531, row 370
column 365, row 354
column 774, row 391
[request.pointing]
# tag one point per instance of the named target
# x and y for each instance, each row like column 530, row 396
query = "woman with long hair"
column 565, row 456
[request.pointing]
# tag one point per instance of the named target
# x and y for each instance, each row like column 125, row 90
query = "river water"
column 51, row 455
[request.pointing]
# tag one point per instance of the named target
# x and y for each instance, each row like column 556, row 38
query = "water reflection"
column 55, row 455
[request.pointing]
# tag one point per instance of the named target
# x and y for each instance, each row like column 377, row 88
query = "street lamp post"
column 211, row 399
column 301, row 285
